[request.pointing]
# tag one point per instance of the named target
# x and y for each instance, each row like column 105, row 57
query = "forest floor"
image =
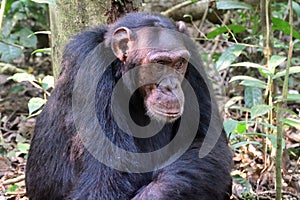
column 16, row 129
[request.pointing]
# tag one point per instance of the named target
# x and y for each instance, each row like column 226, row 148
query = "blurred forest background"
column 251, row 51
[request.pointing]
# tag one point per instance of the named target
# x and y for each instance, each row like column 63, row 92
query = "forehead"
column 160, row 39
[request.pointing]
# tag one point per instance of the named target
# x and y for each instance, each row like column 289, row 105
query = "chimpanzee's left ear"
column 181, row 26
column 121, row 43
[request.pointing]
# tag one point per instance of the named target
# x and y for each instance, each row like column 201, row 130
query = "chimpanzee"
column 131, row 117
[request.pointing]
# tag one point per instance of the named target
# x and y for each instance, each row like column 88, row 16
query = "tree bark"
column 68, row 17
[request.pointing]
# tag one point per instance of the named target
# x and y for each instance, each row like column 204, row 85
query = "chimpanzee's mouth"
column 173, row 114
column 159, row 113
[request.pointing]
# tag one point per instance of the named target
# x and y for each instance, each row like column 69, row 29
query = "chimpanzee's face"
column 162, row 61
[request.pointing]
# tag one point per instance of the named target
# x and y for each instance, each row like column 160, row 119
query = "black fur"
column 59, row 167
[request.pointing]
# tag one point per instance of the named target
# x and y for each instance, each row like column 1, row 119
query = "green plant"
column 20, row 20
column 44, row 84
column 262, row 92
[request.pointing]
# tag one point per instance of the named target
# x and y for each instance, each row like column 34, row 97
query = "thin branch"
column 176, row 7
column 228, row 29
column 280, row 110
column 12, row 44
column 226, row 41
column 14, row 180
column 204, row 17
column 2, row 9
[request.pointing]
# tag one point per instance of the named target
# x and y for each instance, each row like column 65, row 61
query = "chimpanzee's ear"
column 121, row 43
column 181, row 26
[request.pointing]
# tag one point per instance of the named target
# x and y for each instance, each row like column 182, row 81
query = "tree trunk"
column 68, row 17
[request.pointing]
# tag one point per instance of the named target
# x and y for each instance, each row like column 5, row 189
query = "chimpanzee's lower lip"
column 173, row 114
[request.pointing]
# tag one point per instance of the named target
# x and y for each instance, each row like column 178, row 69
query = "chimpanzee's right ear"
column 121, row 42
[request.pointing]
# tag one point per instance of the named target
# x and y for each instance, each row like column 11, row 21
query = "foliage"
column 44, row 84
column 17, row 39
column 254, row 86
column 261, row 93
column 22, row 19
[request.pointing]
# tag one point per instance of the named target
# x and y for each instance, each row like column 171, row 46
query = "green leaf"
column 35, row 114
column 259, row 110
column 293, row 70
column 225, row 5
column 23, row 147
column 244, row 143
column 234, row 28
column 47, row 82
column 35, row 103
column 18, row 88
column 45, row 50
column 7, row 27
column 188, row 16
column 248, row 64
column 293, row 97
column 296, row 8
column 8, row 6
column 230, row 125
column 246, row 186
column 274, row 61
column 45, row 1
column 229, row 56
column 232, row 101
column 292, row 122
column 9, row 53
column 13, row 188
column 240, row 108
column 19, row 77
column 256, row 134
column 40, row 32
column 253, row 96
column 11, row 154
column 249, row 196
column 242, row 127
column 293, row 113
column 251, row 83
column 290, row 97
column 281, row 25
column 252, row 65
column 248, row 78
column 26, row 41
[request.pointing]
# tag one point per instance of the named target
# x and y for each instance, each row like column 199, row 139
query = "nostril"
column 168, row 89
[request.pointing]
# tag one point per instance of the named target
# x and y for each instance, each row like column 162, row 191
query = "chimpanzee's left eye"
column 180, row 64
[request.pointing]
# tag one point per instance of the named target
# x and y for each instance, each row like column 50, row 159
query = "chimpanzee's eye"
column 180, row 64
column 162, row 62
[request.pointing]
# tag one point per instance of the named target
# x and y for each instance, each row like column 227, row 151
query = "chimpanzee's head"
column 161, row 57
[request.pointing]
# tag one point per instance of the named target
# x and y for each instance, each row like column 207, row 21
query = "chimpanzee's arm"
column 192, row 178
